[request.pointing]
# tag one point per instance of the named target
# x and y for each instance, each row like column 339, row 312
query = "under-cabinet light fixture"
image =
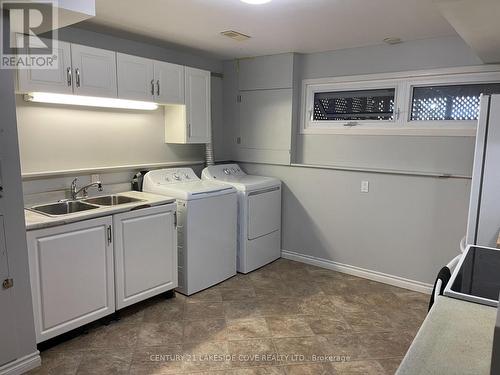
column 256, row 2
column 89, row 101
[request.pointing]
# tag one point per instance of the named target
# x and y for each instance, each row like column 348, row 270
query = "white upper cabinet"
column 198, row 105
column 49, row 80
column 148, row 80
column 169, row 83
column 94, row 71
column 135, row 77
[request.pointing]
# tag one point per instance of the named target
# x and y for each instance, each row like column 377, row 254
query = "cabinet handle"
column 152, row 87
column 1, row 191
column 77, row 71
column 158, row 88
column 68, row 75
column 189, row 130
column 110, row 234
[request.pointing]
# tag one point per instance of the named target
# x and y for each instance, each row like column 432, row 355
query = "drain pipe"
column 209, row 147
column 209, row 153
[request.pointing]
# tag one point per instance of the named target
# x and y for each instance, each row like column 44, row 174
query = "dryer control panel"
column 173, row 176
column 222, row 171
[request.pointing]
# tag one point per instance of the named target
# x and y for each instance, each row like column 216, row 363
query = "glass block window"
column 377, row 104
column 453, row 102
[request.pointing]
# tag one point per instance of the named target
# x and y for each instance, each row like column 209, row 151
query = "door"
column 94, row 71
column 264, row 212
column 8, row 334
column 49, row 80
column 198, row 105
column 145, row 253
column 169, row 83
column 266, row 119
column 135, row 77
column 72, row 275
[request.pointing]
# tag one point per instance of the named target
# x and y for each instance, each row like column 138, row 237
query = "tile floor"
column 287, row 318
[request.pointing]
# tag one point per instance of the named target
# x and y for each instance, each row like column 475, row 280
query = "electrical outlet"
column 95, row 178
column 365, row 186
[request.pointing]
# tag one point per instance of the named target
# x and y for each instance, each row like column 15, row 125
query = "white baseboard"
column 22, row 365
column 360, row 272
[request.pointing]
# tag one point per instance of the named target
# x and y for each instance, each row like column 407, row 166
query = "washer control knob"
column 186, row 176
column 176, row 176
column 226, row 171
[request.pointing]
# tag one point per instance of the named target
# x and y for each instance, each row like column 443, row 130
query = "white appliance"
column 206, row 226
column 259, row 214
column 484, row 210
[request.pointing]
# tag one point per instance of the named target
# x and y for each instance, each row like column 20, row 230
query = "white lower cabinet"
column 71, row 274
column 145, row 253
column 87, row 270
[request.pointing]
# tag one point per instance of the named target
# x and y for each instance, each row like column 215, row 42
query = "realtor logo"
column 23, row 23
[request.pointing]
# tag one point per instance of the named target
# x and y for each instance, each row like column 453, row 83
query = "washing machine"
column 259, row 214
column 206, row 226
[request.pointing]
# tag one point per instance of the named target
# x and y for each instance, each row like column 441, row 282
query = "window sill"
column 395, row 131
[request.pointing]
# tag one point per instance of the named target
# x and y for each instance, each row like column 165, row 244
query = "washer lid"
column 182, row 183
column 190, row 190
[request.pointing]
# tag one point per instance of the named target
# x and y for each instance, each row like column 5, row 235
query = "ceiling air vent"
column 235, row 35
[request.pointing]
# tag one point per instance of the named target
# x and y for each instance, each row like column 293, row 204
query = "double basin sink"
column 70, row 207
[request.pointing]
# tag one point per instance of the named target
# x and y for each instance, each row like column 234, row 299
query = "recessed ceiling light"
column 256, row 2
column 392, row 40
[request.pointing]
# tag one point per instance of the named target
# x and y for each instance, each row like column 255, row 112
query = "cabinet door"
column 71, row 275
column 145, row 253
column 8, row 343
column 135, row 77
column 266, row 119
column 197, row 105
column 94, row 71
column 49, row 80
column 169, row 83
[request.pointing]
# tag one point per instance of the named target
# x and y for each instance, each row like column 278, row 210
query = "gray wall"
column 139, row 48
column 406, row 226
column 11, row 206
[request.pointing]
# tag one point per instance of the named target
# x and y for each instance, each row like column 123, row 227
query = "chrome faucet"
column 84, row 190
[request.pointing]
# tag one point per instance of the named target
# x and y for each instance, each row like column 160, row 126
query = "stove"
column 477, row 276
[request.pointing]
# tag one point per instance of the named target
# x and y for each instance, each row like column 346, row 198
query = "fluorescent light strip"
column 89, row 101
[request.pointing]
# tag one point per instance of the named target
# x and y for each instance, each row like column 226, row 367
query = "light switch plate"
column 365, row 186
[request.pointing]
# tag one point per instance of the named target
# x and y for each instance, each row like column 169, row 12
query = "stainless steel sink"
column 63, row 208
column 112, row 200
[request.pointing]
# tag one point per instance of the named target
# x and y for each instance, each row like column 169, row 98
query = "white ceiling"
column 303, row 26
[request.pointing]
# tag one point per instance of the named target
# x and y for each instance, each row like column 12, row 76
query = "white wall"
column 406, row 226
column 56, row 137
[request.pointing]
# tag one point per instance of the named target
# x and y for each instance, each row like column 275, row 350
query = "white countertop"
column 455, row 338
column 37, row 221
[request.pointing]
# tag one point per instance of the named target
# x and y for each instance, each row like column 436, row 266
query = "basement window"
column 449, row 103
column 443, row 102
column 357, row 105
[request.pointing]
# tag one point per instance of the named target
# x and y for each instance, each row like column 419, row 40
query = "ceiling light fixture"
column 256, row 2
column 88, row 101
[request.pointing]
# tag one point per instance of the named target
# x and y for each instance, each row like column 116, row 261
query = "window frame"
column 403, row 83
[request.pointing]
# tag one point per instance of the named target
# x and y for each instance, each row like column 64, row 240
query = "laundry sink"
column 63, row 208
column 112, row 200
